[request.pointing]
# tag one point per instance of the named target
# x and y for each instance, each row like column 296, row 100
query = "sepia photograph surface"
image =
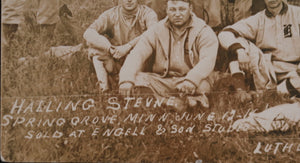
column 150, row 81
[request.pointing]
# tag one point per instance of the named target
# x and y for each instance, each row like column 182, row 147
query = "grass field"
column 57, row 80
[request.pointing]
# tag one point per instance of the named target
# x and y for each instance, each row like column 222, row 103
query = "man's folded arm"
column 92, row 35
column 246, row 28
column 227, row 38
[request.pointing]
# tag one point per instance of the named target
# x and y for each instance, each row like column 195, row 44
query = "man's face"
column 129, row 5
column 273, row 3
column 178, row 12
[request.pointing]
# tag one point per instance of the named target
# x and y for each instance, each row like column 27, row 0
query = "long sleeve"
column 246, row 28
column 207, row 46
column 137, row 57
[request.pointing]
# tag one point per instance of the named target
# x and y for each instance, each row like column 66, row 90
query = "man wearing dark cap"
column 183, row 50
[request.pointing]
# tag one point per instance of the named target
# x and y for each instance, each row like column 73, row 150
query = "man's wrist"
column 190, row 81
column 129, row 46
column 111, row 50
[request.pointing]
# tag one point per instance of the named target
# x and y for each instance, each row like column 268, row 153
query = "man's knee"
column 94, row 52
column 295, row 82
column 290, row 86
column 96, row 60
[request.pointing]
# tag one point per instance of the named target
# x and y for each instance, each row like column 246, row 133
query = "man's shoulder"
column 260, row 13
column 258, row 17
column 198, row 22
column 146, row 9
column 158, row 27
column 111, row 11
column 294, row 8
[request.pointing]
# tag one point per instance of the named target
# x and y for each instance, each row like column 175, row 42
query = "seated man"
column 267, row 46
column 114, row 34
column 183, row 51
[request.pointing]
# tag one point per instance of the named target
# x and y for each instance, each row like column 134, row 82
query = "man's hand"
column 186, row 88
column 125, row 88
column 243, row 58
column 121, row 51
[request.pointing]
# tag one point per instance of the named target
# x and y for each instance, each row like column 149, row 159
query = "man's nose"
column 177, row 13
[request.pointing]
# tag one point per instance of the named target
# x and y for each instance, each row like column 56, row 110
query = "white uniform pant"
column 267, row 74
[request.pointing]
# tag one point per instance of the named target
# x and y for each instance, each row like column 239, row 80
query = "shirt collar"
column 126, row 15
column 283, row 10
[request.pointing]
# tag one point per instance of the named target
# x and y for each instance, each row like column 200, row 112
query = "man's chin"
column 129, row 9
column 273, row 6
column 178, row 24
